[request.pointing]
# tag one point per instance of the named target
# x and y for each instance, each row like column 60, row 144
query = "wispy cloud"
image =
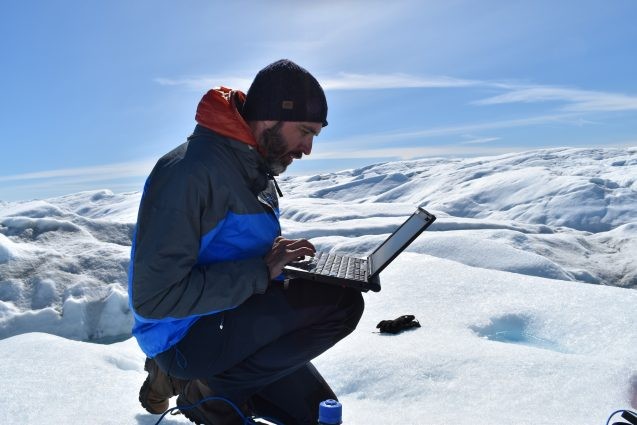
column 125, row 176
column 364, row 141
column 88, row 174
column 577, row 100
column 205, row 83
column 479, row 140
column 348, row 81
column 341, row 81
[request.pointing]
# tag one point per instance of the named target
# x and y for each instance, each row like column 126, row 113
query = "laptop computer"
column 361, row 273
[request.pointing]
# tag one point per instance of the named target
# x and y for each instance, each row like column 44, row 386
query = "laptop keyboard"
column 335, row 265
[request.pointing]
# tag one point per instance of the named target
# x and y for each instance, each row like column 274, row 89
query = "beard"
column 276, row 148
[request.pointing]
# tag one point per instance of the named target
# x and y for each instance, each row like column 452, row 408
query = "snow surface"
column 522, row 287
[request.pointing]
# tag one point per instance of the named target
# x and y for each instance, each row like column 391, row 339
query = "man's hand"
column 285, row 250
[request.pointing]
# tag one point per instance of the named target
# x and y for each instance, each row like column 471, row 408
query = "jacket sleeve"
column 167, row 282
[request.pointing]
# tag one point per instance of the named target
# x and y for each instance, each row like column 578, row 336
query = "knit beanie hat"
column 283, row 91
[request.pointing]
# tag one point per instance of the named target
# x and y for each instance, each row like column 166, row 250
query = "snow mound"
column 63, row 267
column 565, row 214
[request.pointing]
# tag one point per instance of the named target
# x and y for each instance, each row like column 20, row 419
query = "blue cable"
column 618, row 411
column 246, row 420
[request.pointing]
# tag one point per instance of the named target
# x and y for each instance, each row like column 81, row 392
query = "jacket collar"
column 252, row 165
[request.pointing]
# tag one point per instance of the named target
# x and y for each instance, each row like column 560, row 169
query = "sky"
column 93, row 93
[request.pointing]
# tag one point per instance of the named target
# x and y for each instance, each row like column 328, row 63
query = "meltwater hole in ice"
column 513, row 329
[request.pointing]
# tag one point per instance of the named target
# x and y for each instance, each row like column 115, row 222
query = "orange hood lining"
column 218, row 111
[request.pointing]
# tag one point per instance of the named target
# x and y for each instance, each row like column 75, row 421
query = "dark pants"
column 260, row 352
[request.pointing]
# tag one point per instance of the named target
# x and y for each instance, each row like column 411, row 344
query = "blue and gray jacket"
column 208, row 216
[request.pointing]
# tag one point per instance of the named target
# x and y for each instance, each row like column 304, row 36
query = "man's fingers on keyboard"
column 302, row 243
column 300, row 253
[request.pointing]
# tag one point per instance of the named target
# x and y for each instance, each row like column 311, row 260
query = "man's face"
column 285, row 141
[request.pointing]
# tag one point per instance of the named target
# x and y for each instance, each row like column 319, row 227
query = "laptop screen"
column 400, row 239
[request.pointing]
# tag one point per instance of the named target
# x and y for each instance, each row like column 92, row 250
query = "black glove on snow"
column 398, row 325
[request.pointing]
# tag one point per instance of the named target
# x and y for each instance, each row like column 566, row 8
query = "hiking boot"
column 212, row 412
column 158, row 388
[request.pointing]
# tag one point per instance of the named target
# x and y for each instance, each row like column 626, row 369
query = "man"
column 212, row 311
